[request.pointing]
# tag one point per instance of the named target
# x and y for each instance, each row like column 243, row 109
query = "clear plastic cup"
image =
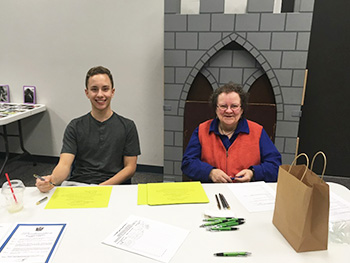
column 14, row 201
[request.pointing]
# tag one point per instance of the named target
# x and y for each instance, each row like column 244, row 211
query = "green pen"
column 213, row 223
column 232, row 254
column 220, row 222
column 214, row 219
column 222, row 218
column 227, row 228
column 229, row 223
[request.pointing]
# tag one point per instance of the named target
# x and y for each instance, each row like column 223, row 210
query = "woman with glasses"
column 230, row 148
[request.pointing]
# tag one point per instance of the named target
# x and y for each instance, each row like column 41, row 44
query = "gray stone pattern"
column 275, row 44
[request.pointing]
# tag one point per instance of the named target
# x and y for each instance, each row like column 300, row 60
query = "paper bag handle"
column 294, row 161
column 324, row 164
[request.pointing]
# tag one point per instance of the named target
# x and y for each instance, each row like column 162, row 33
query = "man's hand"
column 45, row 186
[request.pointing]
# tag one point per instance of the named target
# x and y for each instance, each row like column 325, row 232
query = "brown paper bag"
column 302, row 206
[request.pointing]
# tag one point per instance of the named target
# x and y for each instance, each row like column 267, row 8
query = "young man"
column 100, row 147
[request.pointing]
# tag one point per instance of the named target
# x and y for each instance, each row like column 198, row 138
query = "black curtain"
column 324, row 124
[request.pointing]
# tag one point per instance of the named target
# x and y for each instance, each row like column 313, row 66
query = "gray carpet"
column 24, row 171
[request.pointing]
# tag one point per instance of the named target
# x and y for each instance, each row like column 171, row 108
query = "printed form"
column 148, row 238
column 31, row 243
column 255, row 196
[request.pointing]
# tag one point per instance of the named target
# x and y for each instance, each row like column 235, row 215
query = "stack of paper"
column 80, row 197
column 171, row 193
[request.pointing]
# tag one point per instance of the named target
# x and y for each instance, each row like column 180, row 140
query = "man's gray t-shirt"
column 99, row 147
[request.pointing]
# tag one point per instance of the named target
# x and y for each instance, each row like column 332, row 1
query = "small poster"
column 4, row 93
column 29, row 94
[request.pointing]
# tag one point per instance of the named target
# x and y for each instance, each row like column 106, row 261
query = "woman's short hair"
column 228, row 88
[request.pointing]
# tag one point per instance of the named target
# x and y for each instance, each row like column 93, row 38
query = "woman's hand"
column 219, row 176
column 244, row 176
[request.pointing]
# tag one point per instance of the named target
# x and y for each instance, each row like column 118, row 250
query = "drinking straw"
column 13, row 193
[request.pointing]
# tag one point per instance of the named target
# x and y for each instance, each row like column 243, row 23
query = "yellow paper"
column 142, row 194
column 176, row 193
column 80, row 197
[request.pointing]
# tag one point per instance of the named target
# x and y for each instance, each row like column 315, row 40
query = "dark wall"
column 287, row 6
column 325, row 121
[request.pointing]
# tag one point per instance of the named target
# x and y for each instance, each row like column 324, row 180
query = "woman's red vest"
column 243, row 153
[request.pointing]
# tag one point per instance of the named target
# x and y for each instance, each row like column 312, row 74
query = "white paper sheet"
column 339, row 209
column 254, row 196
column 31, row 243
column 148, row 238
column 4, row 228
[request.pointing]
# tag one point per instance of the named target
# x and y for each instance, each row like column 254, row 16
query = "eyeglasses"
column 233, row 107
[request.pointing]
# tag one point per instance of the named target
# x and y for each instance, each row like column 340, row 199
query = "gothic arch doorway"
column 197, row 108
column 262, row 105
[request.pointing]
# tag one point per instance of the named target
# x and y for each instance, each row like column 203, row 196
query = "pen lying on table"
column 41, row 200
column 225, row 205
column 224, row 222
column 217, row 201
column 232, row 254
column 227, row 228
column 210, row 219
